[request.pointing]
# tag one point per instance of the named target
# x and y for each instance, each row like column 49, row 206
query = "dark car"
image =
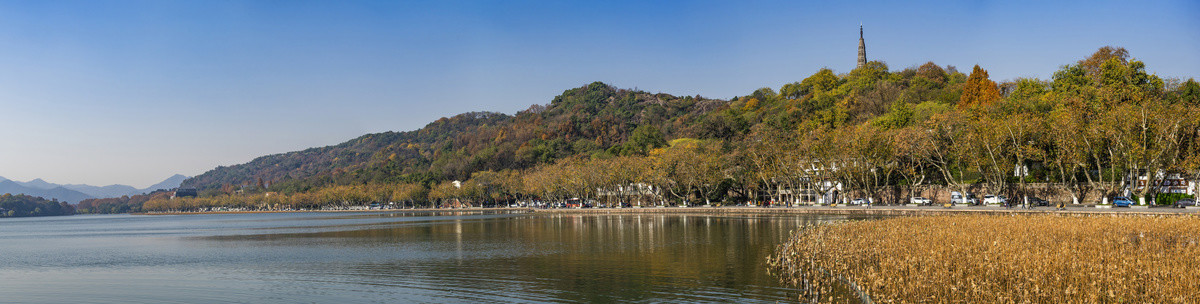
column 1187, row 202
column 1037, row 201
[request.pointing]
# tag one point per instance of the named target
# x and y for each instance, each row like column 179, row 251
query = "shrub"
column 1171, row 198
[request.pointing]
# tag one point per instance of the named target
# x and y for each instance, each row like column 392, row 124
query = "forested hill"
column 927, row 124
column 589, row 120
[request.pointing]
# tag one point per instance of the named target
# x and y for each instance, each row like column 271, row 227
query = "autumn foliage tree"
column 979, row 90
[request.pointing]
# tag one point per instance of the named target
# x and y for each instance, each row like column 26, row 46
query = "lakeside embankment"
column 843, row 210
column 341, row 211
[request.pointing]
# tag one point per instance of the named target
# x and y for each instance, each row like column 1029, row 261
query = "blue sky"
column 131, row 92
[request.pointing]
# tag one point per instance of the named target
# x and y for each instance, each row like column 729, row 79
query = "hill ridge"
column 456, row 146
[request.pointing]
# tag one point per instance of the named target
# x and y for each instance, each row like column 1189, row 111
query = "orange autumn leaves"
column 979, row 90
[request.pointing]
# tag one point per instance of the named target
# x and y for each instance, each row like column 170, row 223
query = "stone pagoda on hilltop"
column 862, row 48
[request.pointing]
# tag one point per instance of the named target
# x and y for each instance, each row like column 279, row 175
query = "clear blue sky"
column 131, row 92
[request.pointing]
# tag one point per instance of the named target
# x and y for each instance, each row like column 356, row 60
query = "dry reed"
column 996, row 259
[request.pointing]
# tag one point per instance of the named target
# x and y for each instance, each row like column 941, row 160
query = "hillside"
column 593, row 119
column 1082, row 135
column 57, row 192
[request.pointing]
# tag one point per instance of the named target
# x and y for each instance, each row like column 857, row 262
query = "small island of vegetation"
column 21, row 205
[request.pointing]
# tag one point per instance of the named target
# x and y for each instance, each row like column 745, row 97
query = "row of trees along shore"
column 21, row 205
column 882, row 134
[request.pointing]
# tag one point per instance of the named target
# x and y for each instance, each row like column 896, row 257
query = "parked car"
column 994, row 199
column 858, row 201
column 1036, row 201
column 920, row 201
column 957, row 198
column 1122, row 201
column 1187, row 202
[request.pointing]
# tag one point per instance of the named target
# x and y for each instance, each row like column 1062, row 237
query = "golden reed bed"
column 996, row 259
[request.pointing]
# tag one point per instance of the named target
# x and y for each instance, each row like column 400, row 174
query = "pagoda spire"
column 862, row 47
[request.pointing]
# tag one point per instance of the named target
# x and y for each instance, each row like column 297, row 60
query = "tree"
column 691, row 168
column 1068, row 151
column 987, row 151
column 1189, row 92
column 765, row 148
column 819, row 155
column 1023, row 141
column 643, row 139
column 822, row 81
column 1093, row 64
column 869, row 159
column 979, row 90
column 912, row 149
column 947, row 152
column 933, row 72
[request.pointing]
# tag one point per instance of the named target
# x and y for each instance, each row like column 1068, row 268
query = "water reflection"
column 568, row 257
column 398, row 257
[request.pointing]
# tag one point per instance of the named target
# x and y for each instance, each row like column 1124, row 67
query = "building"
column 636, row 194
column 184, row 192
column 862, row 48
column 1166, row 183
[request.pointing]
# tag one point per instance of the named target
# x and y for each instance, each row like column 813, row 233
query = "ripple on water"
column 378, row 258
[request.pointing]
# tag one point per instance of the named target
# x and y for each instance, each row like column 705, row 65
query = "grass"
column 996, row 259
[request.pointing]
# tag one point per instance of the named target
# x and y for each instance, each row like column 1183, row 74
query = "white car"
column 858, row 202
column 920, row 201
column 957, row 199
column 994, row 199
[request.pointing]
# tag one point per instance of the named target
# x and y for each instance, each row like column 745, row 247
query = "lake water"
column 402, row 257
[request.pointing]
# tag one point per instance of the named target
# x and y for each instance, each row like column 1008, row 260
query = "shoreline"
column 339, row 211
column 842, row 210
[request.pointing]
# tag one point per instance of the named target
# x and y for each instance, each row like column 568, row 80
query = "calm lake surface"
column 400, row 257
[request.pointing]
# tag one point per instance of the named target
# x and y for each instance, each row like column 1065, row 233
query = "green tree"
column 1189, row 92
column 643, row 139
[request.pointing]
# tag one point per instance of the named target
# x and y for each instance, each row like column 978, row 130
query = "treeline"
column 1095, row 126
column 123, row 204
column 23, row 205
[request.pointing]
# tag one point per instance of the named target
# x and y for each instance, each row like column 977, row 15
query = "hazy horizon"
column 131, row 93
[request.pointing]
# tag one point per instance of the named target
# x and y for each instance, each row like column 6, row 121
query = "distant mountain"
column 76, row 192
column 59, row 193
column 40, row 184
column 105, row 191
column 170, row 183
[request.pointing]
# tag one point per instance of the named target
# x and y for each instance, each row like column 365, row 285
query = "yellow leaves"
column 685, row 143
column 751, row 105
column 500, row 136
